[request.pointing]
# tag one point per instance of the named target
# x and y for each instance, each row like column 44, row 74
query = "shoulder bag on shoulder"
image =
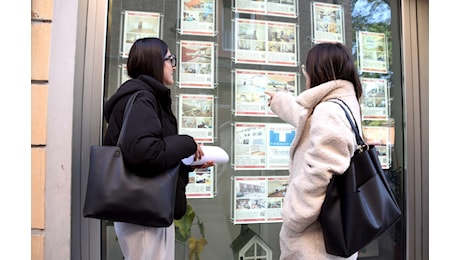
column 359, row 204
column 114, row 192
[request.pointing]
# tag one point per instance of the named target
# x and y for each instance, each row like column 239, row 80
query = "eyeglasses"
column 172, row 59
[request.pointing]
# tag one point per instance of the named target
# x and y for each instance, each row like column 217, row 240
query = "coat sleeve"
column 143, row 144
column 285, row 107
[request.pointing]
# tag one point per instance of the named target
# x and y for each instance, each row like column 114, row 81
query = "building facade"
column 78, row 53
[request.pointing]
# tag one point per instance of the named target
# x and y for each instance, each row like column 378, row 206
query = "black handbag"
column 115, row 192
column 359, row 204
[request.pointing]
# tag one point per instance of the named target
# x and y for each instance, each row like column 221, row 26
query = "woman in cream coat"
column 323, row 146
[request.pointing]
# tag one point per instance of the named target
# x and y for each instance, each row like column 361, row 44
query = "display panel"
column 265, row 42
column 373, row 52
column 262, row 146
column 196, row 117
column 258, row 199
column 201, row 184
column 139, row 25
column 197, row 17
column 374, row 102
column 197, row 63
column 327, row 22
column 250, row 85
column 267, row 7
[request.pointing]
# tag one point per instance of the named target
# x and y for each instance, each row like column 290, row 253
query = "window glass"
column 228, row 51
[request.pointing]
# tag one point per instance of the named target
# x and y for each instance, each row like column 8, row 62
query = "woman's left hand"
column 204, row 166
column 198, row 155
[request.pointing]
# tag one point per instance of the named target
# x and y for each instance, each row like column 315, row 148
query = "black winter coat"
column 149, row 144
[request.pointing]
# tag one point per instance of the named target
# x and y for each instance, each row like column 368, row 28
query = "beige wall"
column 41, row 19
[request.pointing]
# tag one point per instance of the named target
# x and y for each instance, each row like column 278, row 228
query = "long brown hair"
column 331, row 61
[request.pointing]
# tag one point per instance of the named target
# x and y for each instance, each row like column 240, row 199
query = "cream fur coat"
column 323, row 146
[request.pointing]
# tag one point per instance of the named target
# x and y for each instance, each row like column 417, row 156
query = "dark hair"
column 331, row 61
column 146, row 57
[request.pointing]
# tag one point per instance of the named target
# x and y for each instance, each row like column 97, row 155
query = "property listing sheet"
column 197, row 17
column 139, row 25
column 383, row 139
column 374, row 101
column 196, row 116
column 265, row 42
column 258, row 199
column 262, row 146
column 196, row 64
column 201, row 184
column 327, row 22
column 267, row 7
column 250, row 85
column 373, row 52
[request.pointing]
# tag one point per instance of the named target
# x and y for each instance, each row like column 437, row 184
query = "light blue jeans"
column 145, row 243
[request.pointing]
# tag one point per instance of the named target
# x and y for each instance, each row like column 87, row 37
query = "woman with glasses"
column 151, row 142
column 323, row 145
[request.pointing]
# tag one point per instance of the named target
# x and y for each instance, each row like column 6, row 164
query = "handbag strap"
column 128, row 107
column 354, row 125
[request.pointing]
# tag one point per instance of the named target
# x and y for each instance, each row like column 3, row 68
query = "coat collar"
column 331, row 89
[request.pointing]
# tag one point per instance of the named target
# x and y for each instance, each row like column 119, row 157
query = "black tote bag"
column 115, row 192
column 359, row 204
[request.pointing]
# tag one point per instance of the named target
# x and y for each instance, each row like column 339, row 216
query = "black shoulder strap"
column 128, row 107
column 353, row 123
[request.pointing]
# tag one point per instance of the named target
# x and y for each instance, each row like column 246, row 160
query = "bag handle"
column 128, row 107
column 361, row 144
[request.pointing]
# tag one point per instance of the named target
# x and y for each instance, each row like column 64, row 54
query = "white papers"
column 211, row 153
